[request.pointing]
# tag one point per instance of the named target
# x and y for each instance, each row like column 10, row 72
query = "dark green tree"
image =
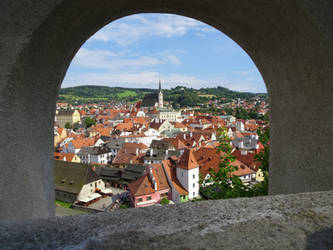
column 68, row 125
column 89, row 122
column 263, row 157
column 223, row 184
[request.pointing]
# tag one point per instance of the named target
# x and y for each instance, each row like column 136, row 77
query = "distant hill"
column 181, row 95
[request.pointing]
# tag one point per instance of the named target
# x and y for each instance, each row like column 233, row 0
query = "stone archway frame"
column 289, row 41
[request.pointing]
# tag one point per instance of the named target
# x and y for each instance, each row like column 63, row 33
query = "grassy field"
column 127, row 93
column 63, row 204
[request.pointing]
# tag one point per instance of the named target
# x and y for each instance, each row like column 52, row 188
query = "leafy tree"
column 222, row 184
column 89, row 122
column 253, row 114
column 123, row 206
column 263, row 157
column 241, row 113
column 68, row 125
column 164, row 201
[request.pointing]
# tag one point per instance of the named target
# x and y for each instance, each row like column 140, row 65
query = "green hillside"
column 179, row 96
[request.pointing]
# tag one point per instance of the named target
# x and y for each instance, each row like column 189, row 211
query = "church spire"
column 160, row 95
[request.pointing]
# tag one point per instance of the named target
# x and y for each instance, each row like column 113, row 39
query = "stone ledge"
column 299, row 221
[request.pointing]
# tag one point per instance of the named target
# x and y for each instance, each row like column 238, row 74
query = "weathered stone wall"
column 289, row 41
column 297, row 221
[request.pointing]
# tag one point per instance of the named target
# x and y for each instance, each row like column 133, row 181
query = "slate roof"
column 100, row 150
column 70, row 176
column 163, row 145
column 85, row 151
column 159, row 154
column 115, row 142
column 129, row 174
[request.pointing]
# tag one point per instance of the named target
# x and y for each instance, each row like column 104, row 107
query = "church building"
column 154, row 100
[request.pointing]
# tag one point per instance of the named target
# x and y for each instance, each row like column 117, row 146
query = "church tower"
column 160, row 96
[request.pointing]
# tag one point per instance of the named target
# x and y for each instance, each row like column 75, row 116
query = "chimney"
column 191, row 134
column 137, row 152
column 184, row 136
column 151, row 152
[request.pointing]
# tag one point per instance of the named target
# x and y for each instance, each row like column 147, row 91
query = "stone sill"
column 296, row 221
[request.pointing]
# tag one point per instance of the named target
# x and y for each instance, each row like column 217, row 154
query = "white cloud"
column 133, row 28
column 106, row 59
column 241, row 72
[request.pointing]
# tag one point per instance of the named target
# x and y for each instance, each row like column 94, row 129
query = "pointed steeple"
column 160, row 95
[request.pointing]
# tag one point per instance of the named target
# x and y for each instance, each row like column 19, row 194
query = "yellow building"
column 59, row 135
column 67, row 116
column 70, row 157
column 260, row 175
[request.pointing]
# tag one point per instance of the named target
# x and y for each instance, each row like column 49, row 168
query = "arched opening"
column 292, row 49
column 195, row 64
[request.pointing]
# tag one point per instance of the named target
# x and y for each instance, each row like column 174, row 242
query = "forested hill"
column 181, row 95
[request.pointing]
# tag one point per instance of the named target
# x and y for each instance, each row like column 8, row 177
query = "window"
column 148, row 198
column 139, row 199
column 193, row 184
column 193, row 193
column 193, row 176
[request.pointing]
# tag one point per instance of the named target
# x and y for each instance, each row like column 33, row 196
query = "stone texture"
column 296, row 221
column 291, row 42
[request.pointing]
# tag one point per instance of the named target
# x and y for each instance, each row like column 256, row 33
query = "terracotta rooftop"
column 188, row 161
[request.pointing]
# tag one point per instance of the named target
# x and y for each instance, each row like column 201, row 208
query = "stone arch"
column 289, row 41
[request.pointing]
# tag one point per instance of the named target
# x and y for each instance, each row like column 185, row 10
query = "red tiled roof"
column 188, row 161
column 171, row 172
column 209, row 158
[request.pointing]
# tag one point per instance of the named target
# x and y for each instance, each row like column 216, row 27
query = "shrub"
column 164, row 201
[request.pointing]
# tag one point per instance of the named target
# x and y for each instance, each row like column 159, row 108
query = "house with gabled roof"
column 76, row 182
column 70, row 157
column 178, row 192
column 187, row 172
column 150, row 188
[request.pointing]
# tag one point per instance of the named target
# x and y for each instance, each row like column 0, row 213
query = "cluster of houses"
column 148, row 149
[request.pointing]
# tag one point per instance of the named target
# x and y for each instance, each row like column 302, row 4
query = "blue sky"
column 140, row 50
